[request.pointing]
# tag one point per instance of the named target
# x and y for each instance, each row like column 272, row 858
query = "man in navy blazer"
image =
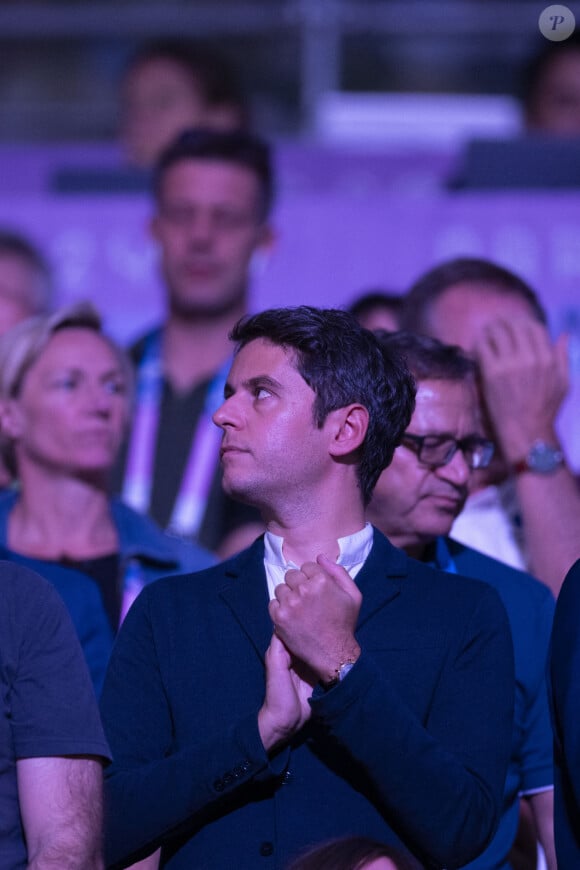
column 321, row 683
column 414, row 503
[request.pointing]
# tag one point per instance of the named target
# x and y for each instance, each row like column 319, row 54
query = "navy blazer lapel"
column 381, row 576
column 246, row 594
column 246, row 590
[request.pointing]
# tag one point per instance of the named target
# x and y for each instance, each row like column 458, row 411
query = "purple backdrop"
column 345, row 223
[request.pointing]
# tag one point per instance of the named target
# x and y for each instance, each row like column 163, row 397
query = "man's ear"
column 349, row 428
column 10, row 419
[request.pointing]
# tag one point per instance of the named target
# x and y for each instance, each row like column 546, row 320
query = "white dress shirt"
column 490, row 522
column 353, row 550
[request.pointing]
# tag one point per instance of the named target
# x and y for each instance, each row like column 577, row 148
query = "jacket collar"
column 246, row 593
column 381, row 576
column 245, row 589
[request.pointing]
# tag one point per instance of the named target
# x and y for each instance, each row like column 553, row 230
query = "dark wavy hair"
column 463, row 270
column 351, row 853
column 342, row 363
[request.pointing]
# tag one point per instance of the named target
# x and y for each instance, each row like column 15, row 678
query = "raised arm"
column 438, row 774
column 525, row 380
column 61, row 808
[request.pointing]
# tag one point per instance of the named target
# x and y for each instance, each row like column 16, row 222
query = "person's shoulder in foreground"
column 50, row 732
column 84, row 603
column 564, row 678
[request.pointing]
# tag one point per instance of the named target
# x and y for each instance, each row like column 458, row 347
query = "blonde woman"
column 64, row 407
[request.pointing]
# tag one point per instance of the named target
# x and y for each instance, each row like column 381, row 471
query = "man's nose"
column 457, row 470
column 227, row 414
column 201, row 229
column 98, row 399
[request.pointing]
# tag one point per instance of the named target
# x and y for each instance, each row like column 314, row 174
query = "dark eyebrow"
column 252, row 383
column 262, row 381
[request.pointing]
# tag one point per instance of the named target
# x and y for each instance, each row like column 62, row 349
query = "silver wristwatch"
column 542, row 458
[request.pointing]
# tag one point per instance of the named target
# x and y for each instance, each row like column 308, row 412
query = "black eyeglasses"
column 437, row 450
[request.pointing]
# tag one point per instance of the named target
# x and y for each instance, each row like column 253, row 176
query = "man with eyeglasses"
column 415, row 503
column 524, row 509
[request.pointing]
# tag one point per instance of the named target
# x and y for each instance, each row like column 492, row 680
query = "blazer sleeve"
column 153, row 787
column 441, row 780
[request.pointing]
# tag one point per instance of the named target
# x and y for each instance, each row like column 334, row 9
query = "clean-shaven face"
column 208, row 225
column 272, row 450
column 71, row 412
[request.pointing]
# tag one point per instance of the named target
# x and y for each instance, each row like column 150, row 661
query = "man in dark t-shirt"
column 52, row 746
column 213, row 193
column 180, row 415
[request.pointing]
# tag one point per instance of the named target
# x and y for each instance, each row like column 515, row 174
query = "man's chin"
column 236, row 490
column 205, row 305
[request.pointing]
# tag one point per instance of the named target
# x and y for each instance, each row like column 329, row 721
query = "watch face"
column 544, row 458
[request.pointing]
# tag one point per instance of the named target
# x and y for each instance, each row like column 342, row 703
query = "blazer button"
column 267, row 849
column 287, row 777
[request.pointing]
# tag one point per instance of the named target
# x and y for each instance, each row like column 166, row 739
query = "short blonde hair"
column 22, row 345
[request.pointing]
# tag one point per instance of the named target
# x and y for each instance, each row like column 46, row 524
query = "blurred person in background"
column 414, row 504
column 213, row 194
column 25, row 289
column 173, row 85
column 25, row 280
column 378, row 309
column 551, row 89
column 64, row 406
column 525, row 507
